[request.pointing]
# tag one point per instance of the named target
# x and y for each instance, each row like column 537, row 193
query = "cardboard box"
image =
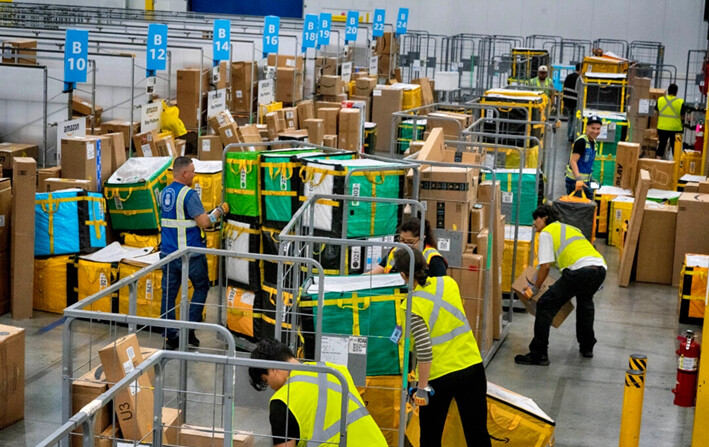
column 703, row 187
column 57, row 184
column 451, row 184
column 10, row 151
column 133, row 404
column 220, row 119
column 329, row 141
column 316, row 130
column 289, row 85
column 661, row 173
column 330, row 85
column 692, row 221
column 43, row 174
column 451, row 123
column 197, row 436
column 477, row 221
column 656, row 244
column 167, row 147
column 293, row 135
column 85, row 389
column 427, row 97
column 243, row 86
column 145, row 144
column 367, row 100
column 306, row 111
column 291, row 116
column 527, row 279
column 470, row 278
column 22, row 255
column 691, row 187
column 209, row 147
column 19, row 51
column 388, row 43
column 283, row 60
column 188, row 96
column 350, row 129
column 626, row 165
column 274, row 125
column 5, row 214
column 124, row 127
column 87, row 158
column 83, row 107
column 4, row 282
column 365, row 86
column 12, row 374
column 330, row 65
column 385, row 101
column 250, row 134
column 229, row 133
column 453, row 216
column 330, row 117
column 118, row 150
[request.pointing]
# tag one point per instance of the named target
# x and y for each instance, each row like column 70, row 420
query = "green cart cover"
column 133, row 193
column 529, row 199
column 362, row 305
column 604, row 170
column 242, row 183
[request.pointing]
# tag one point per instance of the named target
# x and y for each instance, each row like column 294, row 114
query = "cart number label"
column 102, row 281
column 356, row 261
column 243, row 179
column 149, row 289
column 248, row 298
column 444, row 244
column 232, row 295
column 507, row 197
column 358, row 345
column 355, row 192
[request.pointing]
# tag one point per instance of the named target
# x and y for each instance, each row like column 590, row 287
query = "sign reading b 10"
column 76, row 54
column 157, row 47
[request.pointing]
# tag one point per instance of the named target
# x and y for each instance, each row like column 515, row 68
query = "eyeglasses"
column 411, row 241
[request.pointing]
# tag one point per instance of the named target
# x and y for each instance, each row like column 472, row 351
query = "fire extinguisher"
column 699, row 138
column 686, row 387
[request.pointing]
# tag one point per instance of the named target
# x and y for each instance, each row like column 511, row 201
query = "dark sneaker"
column 532, row 359
column 587, row 354
column 193, row 341
column 172, row 344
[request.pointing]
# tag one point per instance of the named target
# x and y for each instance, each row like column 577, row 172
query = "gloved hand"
column 580, row 185
column 218, row 212
column 420, row 396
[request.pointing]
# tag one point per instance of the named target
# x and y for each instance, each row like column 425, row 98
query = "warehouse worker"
column 306, row 408
column 671, row 110
column 583, row 271
column 449, row 365
column 182, row 220
column 570, row 101
column 543, row 81
column 409, row 235
column 583, row 153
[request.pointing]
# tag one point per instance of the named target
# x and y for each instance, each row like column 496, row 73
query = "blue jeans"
column 571, row 128
column 171, row 279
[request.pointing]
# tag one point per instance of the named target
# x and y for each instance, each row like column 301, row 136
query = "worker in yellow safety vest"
column 583, row 271
column 579, row 171
column 409, row 235
column 307, row 407
column 542, row 81
column 671, row 110
column 449, row 365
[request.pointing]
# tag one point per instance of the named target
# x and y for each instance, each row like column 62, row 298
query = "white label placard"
column 150, row 116
column 346, row 71
column 71, row 128
column 358, row 345
column 416, row 66
column 216, row 102
column 374, row 65
column 265, row 92
column 334, row 349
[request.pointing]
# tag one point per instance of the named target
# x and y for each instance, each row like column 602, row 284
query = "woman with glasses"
column 409, row 235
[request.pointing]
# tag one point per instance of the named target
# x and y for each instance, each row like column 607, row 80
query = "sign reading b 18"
column 76, row 54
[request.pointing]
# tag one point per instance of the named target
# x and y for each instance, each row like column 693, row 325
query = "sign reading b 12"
column 402, row 20
column 271, row 24
column 378, row 25
column 220, row 40
column 310, row 31
column 324, row 28
column 157, row 47
column 76, row 54
column 351, row 26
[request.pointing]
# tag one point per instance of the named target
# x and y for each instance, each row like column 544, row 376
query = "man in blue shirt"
column 182, row 220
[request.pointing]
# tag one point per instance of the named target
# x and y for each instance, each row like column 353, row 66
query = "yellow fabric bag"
column 141, row 240
column 50, row 284
column 381, row 396
column 92, row 277
column 149, row 299
column 240, row 311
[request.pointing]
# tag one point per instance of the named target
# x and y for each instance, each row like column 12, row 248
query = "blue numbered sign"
column 351, row 26
column 310, row 31
column 378, row 25
column 324, row 28
column 271, row 24
column 220, row 40
column 157, row 47
column 402, row 21
column 76, row 54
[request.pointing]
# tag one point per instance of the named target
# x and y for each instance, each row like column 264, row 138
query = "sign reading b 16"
column 76, row 54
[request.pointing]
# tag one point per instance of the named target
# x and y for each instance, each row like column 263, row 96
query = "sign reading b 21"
column 157, row 47
column 351, row 26
column 76, row 54
column 220, row 39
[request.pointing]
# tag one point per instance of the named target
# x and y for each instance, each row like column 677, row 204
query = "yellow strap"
column 112, row 193
column 246, row 192
column 243, row 164
column 131, row 212
column 278, row 193
column 322, row 201
column 373, row 209
column 342, row 302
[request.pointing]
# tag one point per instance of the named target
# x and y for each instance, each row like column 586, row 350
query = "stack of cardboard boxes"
column 289, row 77
column 387, row 49
column 19, row 51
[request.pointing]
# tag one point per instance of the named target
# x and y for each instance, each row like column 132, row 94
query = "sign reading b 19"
column 76, row 54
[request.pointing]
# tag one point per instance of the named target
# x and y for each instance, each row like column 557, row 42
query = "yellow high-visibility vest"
column 570, row 244
column 670, row 116
column 428, row 254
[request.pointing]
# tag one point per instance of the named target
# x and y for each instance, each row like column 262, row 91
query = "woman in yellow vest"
column 583, row 271
column 409, row 235
column 670, row 119
column 307, row 407
column 449, row 365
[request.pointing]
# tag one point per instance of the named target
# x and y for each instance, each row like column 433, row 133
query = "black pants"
column 469, row 388
column 664, row 136
column 582, row 284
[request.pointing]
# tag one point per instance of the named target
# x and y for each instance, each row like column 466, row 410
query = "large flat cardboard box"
column 87, row 158
column 12, row 374
column 661, row 173
column 526, row 279
column 350, row 129
column 5, row 213
column 289, row 85
column 447, row 183
column 656, row 245
column 57, row 184
column 22, row 255
column 133, row 404
column 4, row 282
column 197, row 436
column 451, row 123
column 385, row 101
column 188, row 96
column 124, row 127
column 306, row 111
column 691, row 230
column 10, row 151
column 330, row 116
column 626, row 165
column 243, row 87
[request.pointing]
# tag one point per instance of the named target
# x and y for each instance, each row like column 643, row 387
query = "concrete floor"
column 584, row 396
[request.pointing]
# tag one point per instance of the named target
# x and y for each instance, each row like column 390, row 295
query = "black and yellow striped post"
column 638, row 362
column 632, row 408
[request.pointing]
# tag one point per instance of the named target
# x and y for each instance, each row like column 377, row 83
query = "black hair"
column 577, row 67
column 180, row 163
column 401, row 264
column 413, row 225
column 267, row 349
column 547, row 211
column 672, row 89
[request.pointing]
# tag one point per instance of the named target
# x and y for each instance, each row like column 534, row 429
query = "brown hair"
column 402, row 260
